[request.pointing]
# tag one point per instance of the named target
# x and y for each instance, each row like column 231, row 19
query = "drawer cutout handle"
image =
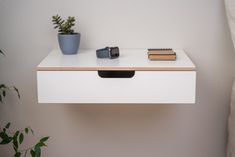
column 116, row 74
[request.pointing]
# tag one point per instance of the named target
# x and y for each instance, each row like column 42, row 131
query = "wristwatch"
column 108, row 52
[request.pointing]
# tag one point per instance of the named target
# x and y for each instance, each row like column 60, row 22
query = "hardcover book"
column 162, row 57
column 160, row 51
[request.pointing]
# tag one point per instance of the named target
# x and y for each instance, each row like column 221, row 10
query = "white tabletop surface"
column 130, row 59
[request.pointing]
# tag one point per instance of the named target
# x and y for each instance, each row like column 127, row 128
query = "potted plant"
column 69, row 40
column 4, row 88
column 15, row 138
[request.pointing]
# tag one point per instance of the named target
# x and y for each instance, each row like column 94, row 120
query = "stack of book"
column 161, row 54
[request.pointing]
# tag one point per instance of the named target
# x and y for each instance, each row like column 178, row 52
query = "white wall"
column 198, row 26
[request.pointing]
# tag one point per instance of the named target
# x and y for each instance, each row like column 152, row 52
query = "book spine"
column 162, row 57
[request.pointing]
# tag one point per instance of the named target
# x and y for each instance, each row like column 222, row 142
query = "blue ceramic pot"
column 69, row 43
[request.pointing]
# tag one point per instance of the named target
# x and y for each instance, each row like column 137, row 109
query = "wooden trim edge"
column 116, row 68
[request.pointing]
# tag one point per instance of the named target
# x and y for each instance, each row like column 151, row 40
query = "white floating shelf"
column 78, row 78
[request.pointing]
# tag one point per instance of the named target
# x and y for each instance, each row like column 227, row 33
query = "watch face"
column 114, row 52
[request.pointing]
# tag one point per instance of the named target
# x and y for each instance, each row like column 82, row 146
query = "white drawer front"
column 145, row 87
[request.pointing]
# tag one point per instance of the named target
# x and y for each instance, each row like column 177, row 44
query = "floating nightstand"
column 132, row 78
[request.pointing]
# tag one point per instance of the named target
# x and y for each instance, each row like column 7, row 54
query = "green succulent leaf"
column 64, row 26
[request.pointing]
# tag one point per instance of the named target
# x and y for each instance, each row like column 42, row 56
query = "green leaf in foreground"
column 4, row 93
column 3, row 86
column 41, row 144
column 37, row 151
column 5, row 138
column 17, row 154
column 16, row 135
column 32, row 152
column 8, row 125
column 15, row 141
column 44, row 139
column 21, row 138
column 1, row 99
column 31, row 131
column 2, row 52
column 17, row 91
column 15, row 145
column 26, row 130
column 5, row 142
column 25, row 153
column 3, row 135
